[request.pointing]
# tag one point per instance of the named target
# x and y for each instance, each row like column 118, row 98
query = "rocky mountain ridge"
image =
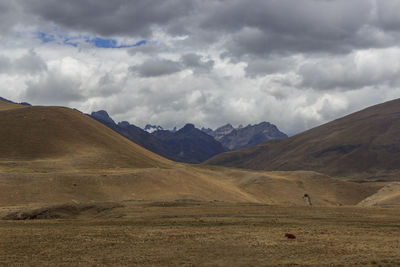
column 188, row 144
column 243, row 137
column 363, row 144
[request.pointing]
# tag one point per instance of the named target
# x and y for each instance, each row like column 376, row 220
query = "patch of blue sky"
column 143, row 42
column 75, row 41
column 72, row 41
column 102, row 42
column 112, row 43
column 45, row 38
column 68, row 42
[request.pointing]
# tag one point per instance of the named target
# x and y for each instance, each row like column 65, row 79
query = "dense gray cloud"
column 353, row 71
column 9, row 15
column 53, row 88
column 253, row 26
column 109, row 85
column 5, row 64
column 158, row 67
column 161, row 67
column 256, row 26
column 196, row 63
column 388, row 15
column 150, row 49
column 294, row 63
column 261, row 67
column 30, row 63
column 264, row 27
column 107, row 18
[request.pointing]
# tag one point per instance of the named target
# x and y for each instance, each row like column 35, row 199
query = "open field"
column 99, row 199
column 23, row 186
column 191, row 233
column 55, row 155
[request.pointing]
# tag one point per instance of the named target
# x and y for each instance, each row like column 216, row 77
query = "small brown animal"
column 290, row 236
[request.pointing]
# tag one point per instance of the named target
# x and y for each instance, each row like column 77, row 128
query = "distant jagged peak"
column 225, row 127
column 264, row 123
column 124, row 124
column 208, row 131
column 102, row 115
column 220, row 132
column 187, row 127
column 244, row 136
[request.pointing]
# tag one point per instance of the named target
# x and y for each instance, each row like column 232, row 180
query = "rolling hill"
column 5, row 105
column 63, row 134
column 362, row 144
column 389, row 195
column 55, row 155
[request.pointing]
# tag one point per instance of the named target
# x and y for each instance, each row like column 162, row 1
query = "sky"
column 296, row 64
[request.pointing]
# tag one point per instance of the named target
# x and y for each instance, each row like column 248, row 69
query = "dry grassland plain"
column 191, row 233
column 129, row 206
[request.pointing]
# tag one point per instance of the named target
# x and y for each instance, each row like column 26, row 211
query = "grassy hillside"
column 365, row 142
column 62, row 134
column 53, row 155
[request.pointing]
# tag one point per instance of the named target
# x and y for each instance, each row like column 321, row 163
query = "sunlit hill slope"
column 361, row 144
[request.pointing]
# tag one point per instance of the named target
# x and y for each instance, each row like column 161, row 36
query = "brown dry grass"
column 67, row 138
column 26, row 187
column 7, row 106
column 209, row 234
column 53, row 155
column 388, row 195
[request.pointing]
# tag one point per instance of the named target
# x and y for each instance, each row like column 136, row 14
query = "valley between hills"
column 65, row 176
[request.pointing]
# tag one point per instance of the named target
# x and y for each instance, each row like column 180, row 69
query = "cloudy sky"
column 295, row 63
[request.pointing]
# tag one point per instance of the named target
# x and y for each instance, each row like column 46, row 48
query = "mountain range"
column 243, row 137
column 363, row 144
column 53, row 155
column 188, row 144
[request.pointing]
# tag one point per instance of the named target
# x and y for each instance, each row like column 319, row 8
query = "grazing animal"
column 290, row 236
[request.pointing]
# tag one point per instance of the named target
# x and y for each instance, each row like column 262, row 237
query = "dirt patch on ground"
column 66, row 211
column 176, row 203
